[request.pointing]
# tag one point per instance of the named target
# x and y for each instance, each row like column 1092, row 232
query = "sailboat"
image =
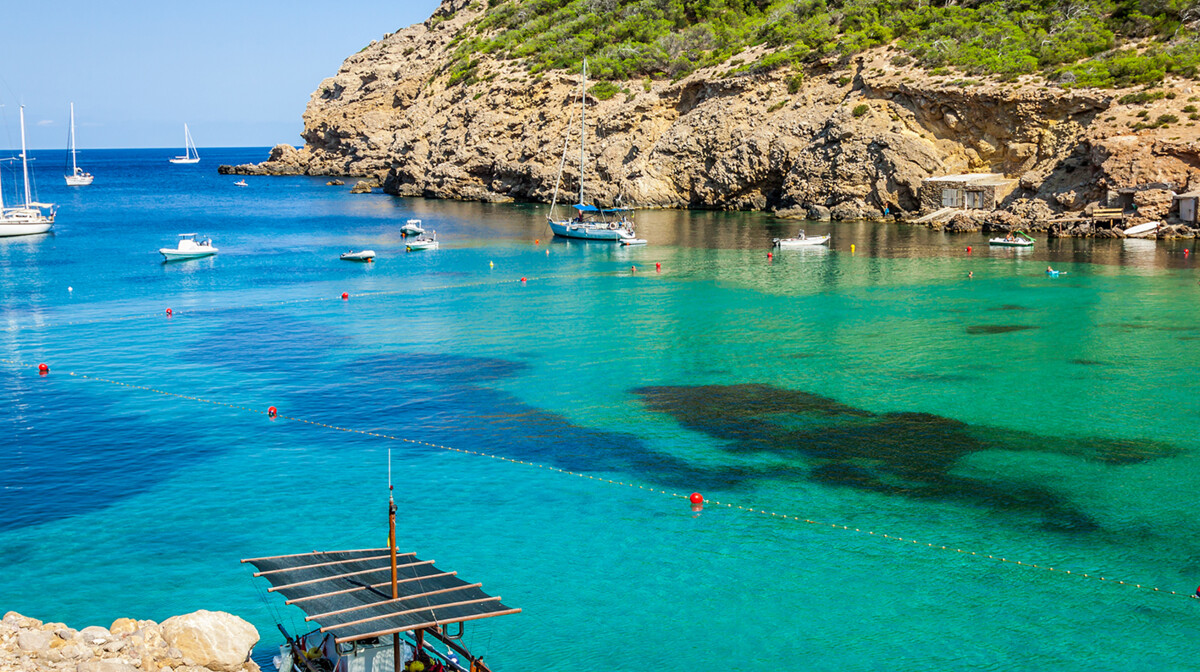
column 190, row 155
column 31, row 217
column 592, row 222
column 77, row 178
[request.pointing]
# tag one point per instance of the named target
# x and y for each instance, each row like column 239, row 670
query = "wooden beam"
column 426, row 625
column 375, row 585
column 409, row 611
column 297, row 555
column 325, row 564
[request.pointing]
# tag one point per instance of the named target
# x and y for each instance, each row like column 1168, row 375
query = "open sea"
column 900, row 453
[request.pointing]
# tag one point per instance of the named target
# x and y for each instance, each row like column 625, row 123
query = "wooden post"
column 395, row 587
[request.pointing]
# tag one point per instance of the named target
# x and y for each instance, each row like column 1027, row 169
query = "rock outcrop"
column 846, row 140
column 198, row 642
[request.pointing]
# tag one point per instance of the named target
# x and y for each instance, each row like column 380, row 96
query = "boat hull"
column 788, row 243
column 24, row 228
column 365, row 255
column 183, row 160
column 176, row 255
column 1000, row 242
column 423, row 245
column 586, row 231
column 78, row 180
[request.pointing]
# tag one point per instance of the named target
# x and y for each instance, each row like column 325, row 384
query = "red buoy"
column 696, row 498
column 345, row 296
column 658, row 266
column 43, row 369
column 968, row 249
column 522, row 278
column 272, row 412
column 169, row 313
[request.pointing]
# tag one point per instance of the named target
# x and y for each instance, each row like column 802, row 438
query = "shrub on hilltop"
column 1073, row 42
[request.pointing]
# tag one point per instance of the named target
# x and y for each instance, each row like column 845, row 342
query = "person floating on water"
column 970, row 274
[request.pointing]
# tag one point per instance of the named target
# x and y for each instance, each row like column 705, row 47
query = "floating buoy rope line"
column 170, row 312
column 273, row 414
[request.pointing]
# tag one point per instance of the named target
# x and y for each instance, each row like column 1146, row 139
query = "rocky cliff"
column 847, row 137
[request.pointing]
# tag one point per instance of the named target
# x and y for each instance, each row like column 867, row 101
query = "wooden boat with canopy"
column 377, row 610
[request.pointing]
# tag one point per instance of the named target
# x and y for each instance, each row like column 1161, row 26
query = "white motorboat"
column 1019, row 239
column 240, row 183
column 361, row 255
column 591, row 221
column 412, row 228
column 31, row 217
column 189, row 248
column 425, row 241
column 801, row 240
column 190, row 155
column 77, row 178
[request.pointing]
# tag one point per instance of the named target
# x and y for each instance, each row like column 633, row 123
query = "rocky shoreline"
column 202, row 641
column 848, row 139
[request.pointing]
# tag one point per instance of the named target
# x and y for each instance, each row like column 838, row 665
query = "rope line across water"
column 601, row 479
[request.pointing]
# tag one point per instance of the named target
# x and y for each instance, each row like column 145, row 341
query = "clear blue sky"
column 239, row 73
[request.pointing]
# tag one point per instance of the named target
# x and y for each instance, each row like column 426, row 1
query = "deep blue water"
column 1047, row 421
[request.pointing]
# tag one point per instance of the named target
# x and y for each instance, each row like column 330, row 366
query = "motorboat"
column 633, row 241
column 361, row 255
column 412, row 228
column 189, row 248
column 1019, row 239
column 423, row 242
column 801, row 240
column 240, row 183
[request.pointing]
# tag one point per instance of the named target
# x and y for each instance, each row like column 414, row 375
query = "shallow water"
column 1050, row 421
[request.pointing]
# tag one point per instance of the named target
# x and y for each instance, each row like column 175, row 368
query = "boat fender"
column 43, row 369
column 407, row 249
column 272, row 412
column 169, row 313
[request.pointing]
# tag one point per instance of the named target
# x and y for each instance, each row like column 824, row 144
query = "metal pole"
column 24, row 158
column 392, row 548
column 582, row 127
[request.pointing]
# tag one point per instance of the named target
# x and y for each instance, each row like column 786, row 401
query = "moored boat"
column 1012, row 240
column 189, row 248
column 31, row 217
column 78, row 177
column 377, row 610
column 412, row 228
column 425, row 241
column 190, row 154
column 240, row 183
column 361, row 255
column 800, row 240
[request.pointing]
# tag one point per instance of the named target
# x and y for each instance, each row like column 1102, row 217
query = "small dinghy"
column 189, row 248
column 1012, row 240
column 412, row 228
column 801, row 240
column 423, row 242
column 361, row 255
column 1142, row 228
column 633, row 241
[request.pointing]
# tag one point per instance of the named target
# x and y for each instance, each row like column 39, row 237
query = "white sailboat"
column 190, row 155
column 30, row 218
column 592, row 222
column 77, row 178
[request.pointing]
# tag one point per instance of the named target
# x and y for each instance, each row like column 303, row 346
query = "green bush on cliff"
column 1071, row 42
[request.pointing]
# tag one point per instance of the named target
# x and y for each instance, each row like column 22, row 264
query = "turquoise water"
column 1046, row 421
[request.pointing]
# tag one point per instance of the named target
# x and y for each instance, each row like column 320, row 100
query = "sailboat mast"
column 24, row 159
column 74, row 169
column 582, row 128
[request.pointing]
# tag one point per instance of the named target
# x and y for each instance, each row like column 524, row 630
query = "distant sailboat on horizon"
column 190, row 155
column 77, row 178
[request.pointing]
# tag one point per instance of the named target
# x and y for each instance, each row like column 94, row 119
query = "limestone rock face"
column 848, row 140
column 213, row 639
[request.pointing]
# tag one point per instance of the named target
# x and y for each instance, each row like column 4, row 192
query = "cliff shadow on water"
column 902, row 454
